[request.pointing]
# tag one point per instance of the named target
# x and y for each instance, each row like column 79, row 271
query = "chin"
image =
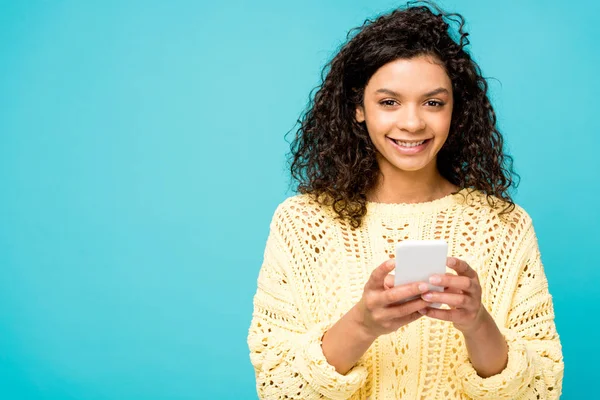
column 406, row 164
column 411, row 167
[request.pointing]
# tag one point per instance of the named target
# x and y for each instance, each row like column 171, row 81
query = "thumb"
column 377, row 278
column 389, row 281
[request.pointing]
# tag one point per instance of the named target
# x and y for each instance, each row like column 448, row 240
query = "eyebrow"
column 431, row 93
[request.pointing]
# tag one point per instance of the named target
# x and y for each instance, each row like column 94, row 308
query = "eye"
column 434, row 103
column 387, row 103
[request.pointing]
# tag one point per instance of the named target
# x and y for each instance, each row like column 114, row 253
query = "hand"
column 462, row 294
column 376, row 312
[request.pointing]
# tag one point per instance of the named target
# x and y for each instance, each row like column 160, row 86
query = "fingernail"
column 435, row 280
column 452, row 262
column 423, row 287
column 423, row 311
column 427, row 296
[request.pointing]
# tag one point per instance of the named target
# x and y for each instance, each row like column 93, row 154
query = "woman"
column 401, row 143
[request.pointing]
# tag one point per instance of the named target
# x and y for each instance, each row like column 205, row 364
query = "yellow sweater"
column 314, row 271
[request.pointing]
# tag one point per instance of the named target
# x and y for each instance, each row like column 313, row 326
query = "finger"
column 405, row 309
column 453, row 290
column 378, row 275
column 451, row 299
column 461, row 267
column 453, row 281
column 444, row 315
column 408, row 318
column 389, row 281
column 403, row 292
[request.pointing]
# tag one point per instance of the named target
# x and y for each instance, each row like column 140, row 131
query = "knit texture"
column 315, row 268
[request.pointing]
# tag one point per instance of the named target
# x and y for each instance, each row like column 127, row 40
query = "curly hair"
column 332, row 156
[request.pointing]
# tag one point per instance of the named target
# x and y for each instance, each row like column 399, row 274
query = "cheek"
column 441, row 125
column 380, row 123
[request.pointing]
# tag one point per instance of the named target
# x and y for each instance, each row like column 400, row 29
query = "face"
column 407, row 109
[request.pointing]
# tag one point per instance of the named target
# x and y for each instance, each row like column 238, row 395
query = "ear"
column 360, row 114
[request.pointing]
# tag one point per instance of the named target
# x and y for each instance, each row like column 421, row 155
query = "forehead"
column 411, row 76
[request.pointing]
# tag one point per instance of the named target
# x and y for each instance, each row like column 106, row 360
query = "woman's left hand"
column 462, row 294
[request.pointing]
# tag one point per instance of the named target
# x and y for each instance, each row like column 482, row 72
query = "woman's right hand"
column 376, row 314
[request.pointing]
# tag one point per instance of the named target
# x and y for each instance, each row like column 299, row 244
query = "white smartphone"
column 418, row 260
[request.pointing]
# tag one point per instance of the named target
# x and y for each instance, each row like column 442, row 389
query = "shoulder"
column 301, row 210
column 303, row 226
column 496, row 211
column 503, row 230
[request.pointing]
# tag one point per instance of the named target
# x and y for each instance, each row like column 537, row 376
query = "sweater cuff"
column 314, row 368
column 504, row 385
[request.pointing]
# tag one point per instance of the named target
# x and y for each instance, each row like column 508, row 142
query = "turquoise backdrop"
column 142, row 156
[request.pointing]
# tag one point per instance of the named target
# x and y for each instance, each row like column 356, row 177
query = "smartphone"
column 418, row 260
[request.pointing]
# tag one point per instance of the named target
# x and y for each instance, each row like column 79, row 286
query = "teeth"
column 407, row 144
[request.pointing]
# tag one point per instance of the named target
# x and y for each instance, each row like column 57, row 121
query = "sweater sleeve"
column 535, row 362
column 285, row 351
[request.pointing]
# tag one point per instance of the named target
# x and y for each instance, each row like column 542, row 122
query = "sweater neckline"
column 443, row 203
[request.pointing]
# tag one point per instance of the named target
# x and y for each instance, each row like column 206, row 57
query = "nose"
column 410, row 119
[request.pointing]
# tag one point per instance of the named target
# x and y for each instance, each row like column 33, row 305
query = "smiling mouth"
column 408, row 144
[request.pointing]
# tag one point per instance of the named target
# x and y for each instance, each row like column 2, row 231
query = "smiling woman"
column 400, row 143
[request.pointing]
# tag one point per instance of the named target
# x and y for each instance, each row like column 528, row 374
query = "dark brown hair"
column 332, row 156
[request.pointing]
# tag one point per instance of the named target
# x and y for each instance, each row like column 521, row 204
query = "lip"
column 409, row 150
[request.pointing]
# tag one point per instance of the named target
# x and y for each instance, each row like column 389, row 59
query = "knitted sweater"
column 314, row 270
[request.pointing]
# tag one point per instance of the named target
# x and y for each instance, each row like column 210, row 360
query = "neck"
column 410, row 186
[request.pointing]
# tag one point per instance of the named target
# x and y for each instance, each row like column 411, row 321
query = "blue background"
column 142, row 156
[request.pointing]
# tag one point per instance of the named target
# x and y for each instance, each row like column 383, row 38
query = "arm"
column 286, row 353
column 346, row 342
column 487, row 348
column 535, row 362
column 374, row 315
